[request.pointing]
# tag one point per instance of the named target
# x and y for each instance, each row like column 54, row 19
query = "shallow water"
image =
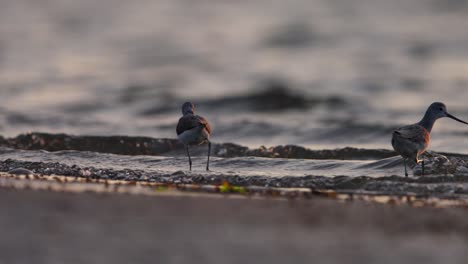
column 245, row 166
column 168, row 156
column 321, row 74
column 355, row 171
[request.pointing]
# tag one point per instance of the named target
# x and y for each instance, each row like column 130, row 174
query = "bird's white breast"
column 194, row 136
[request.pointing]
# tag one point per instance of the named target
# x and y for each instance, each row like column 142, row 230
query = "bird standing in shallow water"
column 411, row 141
column 193, row 130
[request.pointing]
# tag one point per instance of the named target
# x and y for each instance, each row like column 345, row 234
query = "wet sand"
column 50, row 227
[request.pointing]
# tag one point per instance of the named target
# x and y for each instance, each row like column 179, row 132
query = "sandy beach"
column 118, row 228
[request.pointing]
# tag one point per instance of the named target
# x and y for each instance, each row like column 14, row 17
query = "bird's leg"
column 189, row 159
column 406, row 172
column 208, row 161
column 422, row 166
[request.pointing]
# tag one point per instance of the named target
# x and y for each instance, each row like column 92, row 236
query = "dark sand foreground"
column 54, row 227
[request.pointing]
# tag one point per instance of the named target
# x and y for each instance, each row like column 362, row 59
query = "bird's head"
column 188, row 108
column 438, row 110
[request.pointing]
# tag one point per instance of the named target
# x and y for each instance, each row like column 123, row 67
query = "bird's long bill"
column 454, row 118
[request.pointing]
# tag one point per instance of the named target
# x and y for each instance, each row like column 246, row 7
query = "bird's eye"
column 441, row 109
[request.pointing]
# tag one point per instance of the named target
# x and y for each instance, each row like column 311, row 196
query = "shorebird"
column 411, row 141
column 193, row 130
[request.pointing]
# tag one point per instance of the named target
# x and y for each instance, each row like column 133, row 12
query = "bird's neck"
column 188, row 112
column 428, row 121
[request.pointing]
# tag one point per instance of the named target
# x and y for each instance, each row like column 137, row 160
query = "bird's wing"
column 414, row 133
column 205, row 123
column 188, row 122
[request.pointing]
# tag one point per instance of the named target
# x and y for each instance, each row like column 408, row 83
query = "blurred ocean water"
column 322, row 74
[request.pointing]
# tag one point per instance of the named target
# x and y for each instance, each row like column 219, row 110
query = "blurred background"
column 318, row 73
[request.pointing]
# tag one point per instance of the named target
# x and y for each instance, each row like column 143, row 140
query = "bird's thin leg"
column 189, row 159
column 208, row 161
column 406, row 172
column 422, row 166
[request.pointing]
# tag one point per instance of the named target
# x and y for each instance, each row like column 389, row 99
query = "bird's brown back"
column 188, row 122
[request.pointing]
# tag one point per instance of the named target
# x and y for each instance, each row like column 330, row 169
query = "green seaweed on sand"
column 228, row 188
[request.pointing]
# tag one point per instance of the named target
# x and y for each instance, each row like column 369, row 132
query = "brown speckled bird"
column 193, row 130
column 411, row 141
